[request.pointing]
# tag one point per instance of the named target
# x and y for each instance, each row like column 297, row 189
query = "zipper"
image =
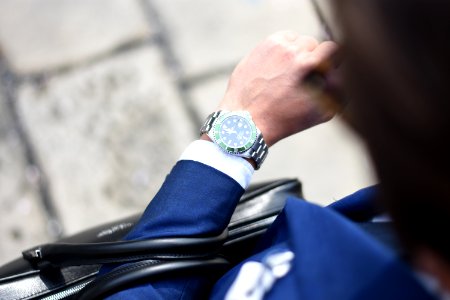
column 68, row 292
column 75, row 289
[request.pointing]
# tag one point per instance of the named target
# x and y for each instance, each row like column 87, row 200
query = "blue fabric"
column 334, row 259
column 192, row 201
column 360, row 206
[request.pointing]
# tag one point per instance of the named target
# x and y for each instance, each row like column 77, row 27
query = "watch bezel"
column 217, row 137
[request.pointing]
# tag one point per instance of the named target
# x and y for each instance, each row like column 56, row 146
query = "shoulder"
column 334, row 259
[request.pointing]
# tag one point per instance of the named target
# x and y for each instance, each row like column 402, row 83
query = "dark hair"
column 399, row 101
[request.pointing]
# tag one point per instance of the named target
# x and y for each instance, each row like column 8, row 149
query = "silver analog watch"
column 236, row 133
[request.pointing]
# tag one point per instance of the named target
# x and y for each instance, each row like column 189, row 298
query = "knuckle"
column 308, row 42
column 308, row 61
column 330, row 44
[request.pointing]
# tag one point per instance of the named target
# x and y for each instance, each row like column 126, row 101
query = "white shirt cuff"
column 210, row 154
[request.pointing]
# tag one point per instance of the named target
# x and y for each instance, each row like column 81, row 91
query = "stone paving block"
column 22, row 222
column 41, row 35
column 206, row 95
column 329, row 159
column 211, row 34
column 106, row 135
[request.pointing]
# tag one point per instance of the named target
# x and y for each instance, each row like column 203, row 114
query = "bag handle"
column 144, row 271
column 63, row 254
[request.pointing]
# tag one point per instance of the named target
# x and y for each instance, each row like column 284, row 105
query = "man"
column 312, row 252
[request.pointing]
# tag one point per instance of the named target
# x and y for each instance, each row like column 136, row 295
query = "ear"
column 432, row 263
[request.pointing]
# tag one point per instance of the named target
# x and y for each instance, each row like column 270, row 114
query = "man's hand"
column 267, row 83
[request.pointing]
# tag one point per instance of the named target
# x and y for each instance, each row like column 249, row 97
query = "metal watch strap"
column 258, row 152
column 209, row 122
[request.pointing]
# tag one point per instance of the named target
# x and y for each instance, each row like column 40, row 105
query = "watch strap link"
column 258, row 152
column 209, row 122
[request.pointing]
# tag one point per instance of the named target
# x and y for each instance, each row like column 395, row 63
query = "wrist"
column 266, row 129
column 205, row 137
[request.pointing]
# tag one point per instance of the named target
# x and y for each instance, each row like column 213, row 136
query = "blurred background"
column 98, row 98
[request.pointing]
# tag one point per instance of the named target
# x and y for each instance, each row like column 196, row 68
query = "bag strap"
column 61, row 254
column 144, row 271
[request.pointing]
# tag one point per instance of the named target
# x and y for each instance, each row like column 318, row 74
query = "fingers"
column 325, row 51
column 308, row 50
column 321, row 59
column 319, row 56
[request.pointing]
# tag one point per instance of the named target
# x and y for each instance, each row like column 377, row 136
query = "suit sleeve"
column 194, row 200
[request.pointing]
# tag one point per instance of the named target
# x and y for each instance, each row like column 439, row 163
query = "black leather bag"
column 68, row 269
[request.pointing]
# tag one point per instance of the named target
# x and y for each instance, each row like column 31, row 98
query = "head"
column 397, row 83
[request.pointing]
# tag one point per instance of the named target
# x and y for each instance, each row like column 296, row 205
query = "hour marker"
column 239, row 124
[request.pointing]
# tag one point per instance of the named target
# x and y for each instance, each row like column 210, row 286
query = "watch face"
column 235, row 133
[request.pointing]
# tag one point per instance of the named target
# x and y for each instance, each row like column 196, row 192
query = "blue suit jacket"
column 334, row 258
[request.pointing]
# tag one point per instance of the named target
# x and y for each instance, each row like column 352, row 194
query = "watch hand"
column 230, row 130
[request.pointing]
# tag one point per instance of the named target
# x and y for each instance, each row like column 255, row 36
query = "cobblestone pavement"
column 98, row 98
